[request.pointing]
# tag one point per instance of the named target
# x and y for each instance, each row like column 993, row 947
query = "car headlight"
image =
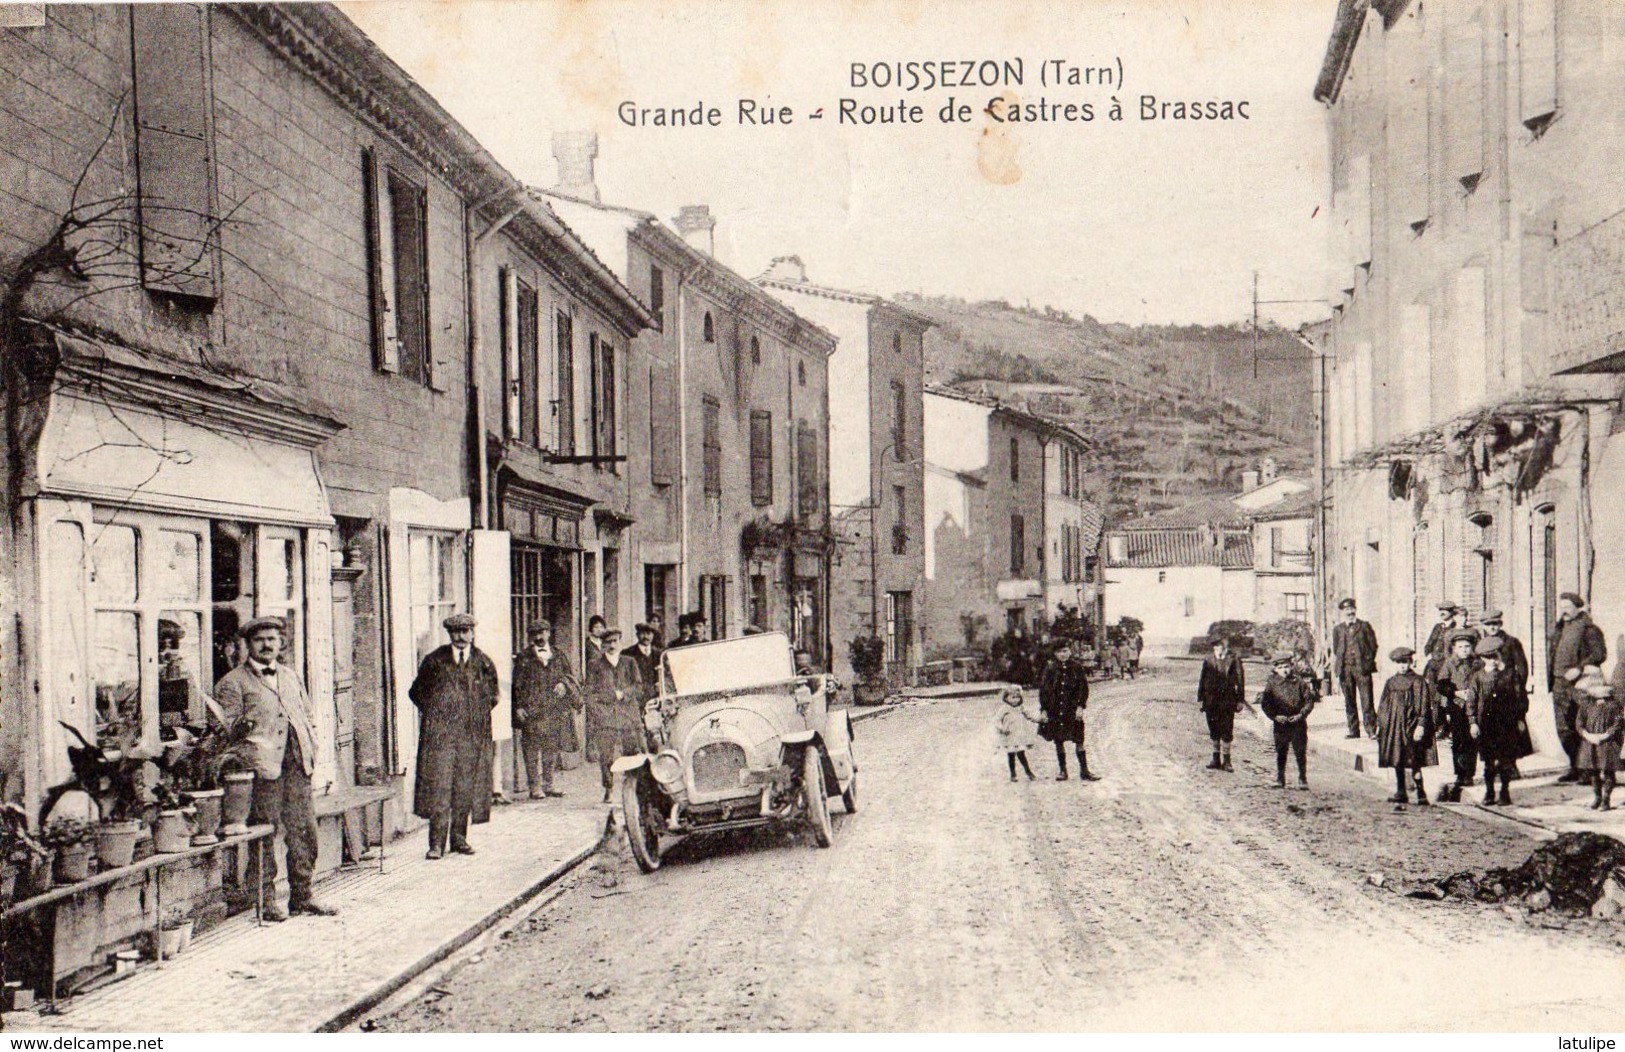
column 667, row 768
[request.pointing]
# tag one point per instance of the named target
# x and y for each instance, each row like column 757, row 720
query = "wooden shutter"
column 508, row 294
column 1537, row 62
column 408, row 214
column 527, row 305
column 180, row 241
column 807, row 472
column 610, row 415
column 761, row 457
column 565, row 374
column 1464, row 91
column 1408, row 120
column 663, row 432
column 385, row 351
column 713, row 446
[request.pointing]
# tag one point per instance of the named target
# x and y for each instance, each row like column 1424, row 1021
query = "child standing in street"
column 1286, row 701
column 1015, row 730
column 1405, row 728
column 1599, row 723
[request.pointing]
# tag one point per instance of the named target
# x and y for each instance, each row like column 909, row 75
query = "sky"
column 1135, row 220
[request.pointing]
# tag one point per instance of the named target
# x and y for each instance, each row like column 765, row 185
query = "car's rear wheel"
column 849, row 795
column 817, row 797
column 642, row 821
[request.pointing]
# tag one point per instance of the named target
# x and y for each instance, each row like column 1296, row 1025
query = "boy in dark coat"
column 1405, row 727
column 1496, row 707
column 1450, row 681
column 1063, row 694
column 455, row 691
column 1221, row 692
column 1286, row 701
column 1599, row 726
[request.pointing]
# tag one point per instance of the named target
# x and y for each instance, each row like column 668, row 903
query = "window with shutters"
column 663, row 435
column 755, row 350
column 519, row 359
column 1464, row 92
column 708, row 328
column 657, row 292
column 809, row 500
column 801, row 374
column 899, row 420
column 761, row 457
column 1537, row 64
column 899, row 521
column 564, row 374
column 1018, row 544
column 1015, row 459
column 602, row 363
column 174, row 149
column 397, row 233
column 712, row 443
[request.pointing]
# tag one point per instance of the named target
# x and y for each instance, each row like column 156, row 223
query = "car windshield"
column 729, row 664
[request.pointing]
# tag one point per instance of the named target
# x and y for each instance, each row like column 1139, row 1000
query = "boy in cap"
column 1287, row 700
column 1220, row 692
column 1405, row 727
column 1573, row 644
column 1450, row 682
column 1599, row 726
column 1354, row 659
column 1495, row 709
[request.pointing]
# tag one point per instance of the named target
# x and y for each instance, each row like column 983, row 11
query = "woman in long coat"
column 1405, row 727
column 614, row 705
column 455, row 691
column 1063, row 694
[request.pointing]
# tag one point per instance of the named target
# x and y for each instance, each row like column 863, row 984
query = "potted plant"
column 174, row 932
column 868, row 657
column 215, row 776
column 71, row 839
column 19, row 851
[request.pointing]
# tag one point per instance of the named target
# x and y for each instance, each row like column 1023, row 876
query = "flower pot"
column 72, row 863
column 239, row 797
column 115, row 843
column 173, row 940
column 208, row 803
column 171, row 833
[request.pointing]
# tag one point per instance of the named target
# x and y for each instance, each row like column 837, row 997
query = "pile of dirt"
column 1577, row 874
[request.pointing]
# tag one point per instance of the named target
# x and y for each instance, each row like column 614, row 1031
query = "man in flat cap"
column 1573, row 644
column 455, row 691
column 1286, row 701
column 1450, row 683
column 1495, row 711
column 282, row 748
column 1354, row 657
column 546, row 697
column 1405, row 727
column 1451, row 617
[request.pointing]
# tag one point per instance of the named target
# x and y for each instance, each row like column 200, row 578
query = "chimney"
column 1117, row 548
column 1249, row 481
column 1267, row 470
column 787, row 268
column 696, row 223
column 575, row 152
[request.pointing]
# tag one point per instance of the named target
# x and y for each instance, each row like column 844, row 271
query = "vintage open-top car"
column 741, row 741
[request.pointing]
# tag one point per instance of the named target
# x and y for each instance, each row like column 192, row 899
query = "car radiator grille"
column 717, row 766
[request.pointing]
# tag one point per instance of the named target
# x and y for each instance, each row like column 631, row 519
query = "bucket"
column 208, row 804
column 173, row 940
column 239, row 798
column 171, row 833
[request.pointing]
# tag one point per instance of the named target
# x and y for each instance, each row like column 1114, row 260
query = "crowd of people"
column 1021, row 657
column 1473, row 691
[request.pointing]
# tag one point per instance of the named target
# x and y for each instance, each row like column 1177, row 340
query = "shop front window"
column 118, row 679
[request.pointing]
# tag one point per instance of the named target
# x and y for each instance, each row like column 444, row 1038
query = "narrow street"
column 1164, row 897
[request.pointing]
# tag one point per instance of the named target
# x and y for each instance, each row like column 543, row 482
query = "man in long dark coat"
column 1496, row 708
column 1573, row 644
column 1405, row 727
column 1221, row 691
column 1063, row 694
column 545, row 698
column 646, row 652
column 1450, row 683
column 614, row 706
column 455, row 691
column 1354, row 660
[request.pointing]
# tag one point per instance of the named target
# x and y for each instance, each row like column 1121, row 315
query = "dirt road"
column 1164, row 897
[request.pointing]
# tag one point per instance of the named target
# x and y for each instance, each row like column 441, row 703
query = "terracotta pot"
column 115, row 842
column 208, row 803
column 173, row 940
column 171, row 833
column 72, row 863
column 239, row 797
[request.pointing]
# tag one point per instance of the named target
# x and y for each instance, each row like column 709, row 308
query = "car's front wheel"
column 642, row 821
column 817, row 797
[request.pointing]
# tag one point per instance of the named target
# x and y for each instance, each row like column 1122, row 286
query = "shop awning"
column 129, row 429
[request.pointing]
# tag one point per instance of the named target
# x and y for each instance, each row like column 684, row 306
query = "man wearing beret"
column 455, row 691
column 545, row 698
column 1354, row 657
column 1573, row 644
column 282, row 749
